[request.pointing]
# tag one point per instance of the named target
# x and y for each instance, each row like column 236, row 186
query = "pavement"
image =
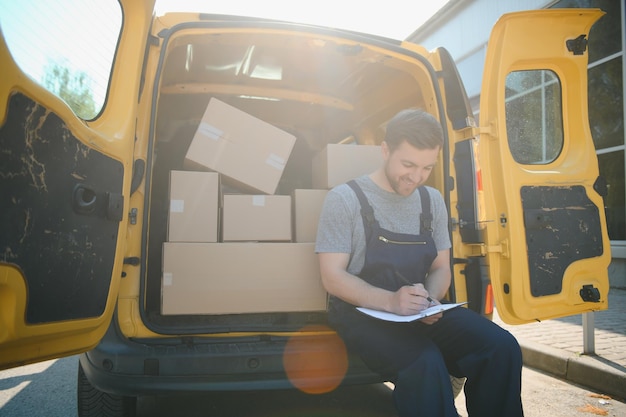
column 557, row 347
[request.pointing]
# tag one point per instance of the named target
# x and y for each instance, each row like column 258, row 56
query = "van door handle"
column 84, row 199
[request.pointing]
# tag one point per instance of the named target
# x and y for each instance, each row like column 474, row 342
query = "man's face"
column 408, row 167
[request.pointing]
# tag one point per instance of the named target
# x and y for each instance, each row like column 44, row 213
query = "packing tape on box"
column 168, row 277
column 177, row 206
column 210, row 131
column 276, row 161
column 258, row 200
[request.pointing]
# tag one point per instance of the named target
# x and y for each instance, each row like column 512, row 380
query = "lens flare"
column 315, row 361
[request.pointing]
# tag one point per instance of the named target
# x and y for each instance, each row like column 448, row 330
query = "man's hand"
column 410, row 299
column 435, row 318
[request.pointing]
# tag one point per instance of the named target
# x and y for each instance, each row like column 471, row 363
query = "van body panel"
column 323, row 86
column 65, row 193
column 539, row 173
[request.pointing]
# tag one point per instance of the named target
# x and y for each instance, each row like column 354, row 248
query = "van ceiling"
column 316, row 88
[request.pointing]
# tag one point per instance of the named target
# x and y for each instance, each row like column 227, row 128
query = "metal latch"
column 590, row 294
column 132, row 216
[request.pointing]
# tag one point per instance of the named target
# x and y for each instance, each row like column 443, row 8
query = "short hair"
column 419, row 128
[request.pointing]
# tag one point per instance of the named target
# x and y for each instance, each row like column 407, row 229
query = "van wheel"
column 457, row 385
column 95, row 403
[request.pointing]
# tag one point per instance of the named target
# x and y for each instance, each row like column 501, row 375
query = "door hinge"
column 132, row 216
column 502, row 249
column 490, row 130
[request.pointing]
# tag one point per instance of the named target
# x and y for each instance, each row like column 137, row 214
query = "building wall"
column 463, row 28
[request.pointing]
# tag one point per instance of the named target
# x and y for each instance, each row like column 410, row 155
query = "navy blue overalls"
column 419, row 358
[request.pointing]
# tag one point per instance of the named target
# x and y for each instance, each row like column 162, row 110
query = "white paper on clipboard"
column 430, row 311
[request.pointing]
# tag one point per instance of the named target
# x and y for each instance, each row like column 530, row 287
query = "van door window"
column 67, row 46
column 533, row 116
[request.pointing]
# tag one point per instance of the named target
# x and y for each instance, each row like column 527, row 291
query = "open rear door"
column 547, row 242
column 64, row 184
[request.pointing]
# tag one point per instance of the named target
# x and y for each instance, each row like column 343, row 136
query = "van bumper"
column 133, row 367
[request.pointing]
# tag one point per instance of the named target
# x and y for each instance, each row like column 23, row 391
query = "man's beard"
column 396, row 184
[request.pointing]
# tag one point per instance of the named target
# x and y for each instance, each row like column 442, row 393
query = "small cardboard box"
column 250, row 153
column 194, row 207
column 307, row 205
column 235, row 278
column 256, row 218
column 337, row 164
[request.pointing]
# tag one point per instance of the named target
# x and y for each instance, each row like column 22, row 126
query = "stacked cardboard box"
column 307, row 205
column 254, row 252
column 248, row 152
column 243, row 277
column 256, row 218
column 236, row 253
column 194, row 207
column 338, row 163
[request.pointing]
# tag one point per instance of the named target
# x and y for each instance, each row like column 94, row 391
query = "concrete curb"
column 586, row 370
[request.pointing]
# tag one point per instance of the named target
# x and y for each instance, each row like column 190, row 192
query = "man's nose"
column 417, row 175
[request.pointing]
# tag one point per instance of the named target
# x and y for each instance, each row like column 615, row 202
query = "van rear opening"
column 245, row 93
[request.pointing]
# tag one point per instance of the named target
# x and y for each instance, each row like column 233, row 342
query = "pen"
column 407, row 282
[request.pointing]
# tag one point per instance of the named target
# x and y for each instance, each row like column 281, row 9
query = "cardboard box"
column 307, row 205
column 337, row 164
column 250, row 153
column 235, row 278
column 194, row 207
column 256, row 218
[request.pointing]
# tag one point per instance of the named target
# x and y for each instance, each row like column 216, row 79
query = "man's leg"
column 410, row 360
column 487, row 355
column 424, row 389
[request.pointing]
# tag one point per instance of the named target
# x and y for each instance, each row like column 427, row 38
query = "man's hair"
column 419, row 128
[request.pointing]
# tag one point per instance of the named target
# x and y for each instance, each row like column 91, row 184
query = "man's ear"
column 384, row 149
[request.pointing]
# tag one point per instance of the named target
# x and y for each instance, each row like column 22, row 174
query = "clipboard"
column 430, row 311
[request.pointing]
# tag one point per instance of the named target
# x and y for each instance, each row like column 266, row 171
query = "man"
column 383, row 244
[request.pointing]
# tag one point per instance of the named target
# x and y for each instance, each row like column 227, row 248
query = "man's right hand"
column 410, row 299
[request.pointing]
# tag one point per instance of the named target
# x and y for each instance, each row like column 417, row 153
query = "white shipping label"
column 258, row 200
column 177, row 206
column 275, row 161
column 167, row 279
column 210, row 131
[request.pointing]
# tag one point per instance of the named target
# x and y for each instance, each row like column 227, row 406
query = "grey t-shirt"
column 340, row 228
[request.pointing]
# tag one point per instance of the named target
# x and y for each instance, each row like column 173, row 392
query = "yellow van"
column 168, row 236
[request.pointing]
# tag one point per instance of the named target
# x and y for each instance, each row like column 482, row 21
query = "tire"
column 94, row 403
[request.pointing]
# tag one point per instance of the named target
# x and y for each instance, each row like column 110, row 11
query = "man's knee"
column 430, row 362
column 507, row 348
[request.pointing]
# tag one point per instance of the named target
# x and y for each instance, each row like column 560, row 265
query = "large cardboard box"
column 337, row 164
column 194, row 207
column 256, row 218
column 307, row 205
column 234, row 278
column 249, row 152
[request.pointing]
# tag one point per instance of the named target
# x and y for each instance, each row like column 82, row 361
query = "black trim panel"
column 59, row 213
column 562, row 226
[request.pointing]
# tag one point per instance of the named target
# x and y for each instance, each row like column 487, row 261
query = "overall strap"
column 426, row 218
column 367, row 212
